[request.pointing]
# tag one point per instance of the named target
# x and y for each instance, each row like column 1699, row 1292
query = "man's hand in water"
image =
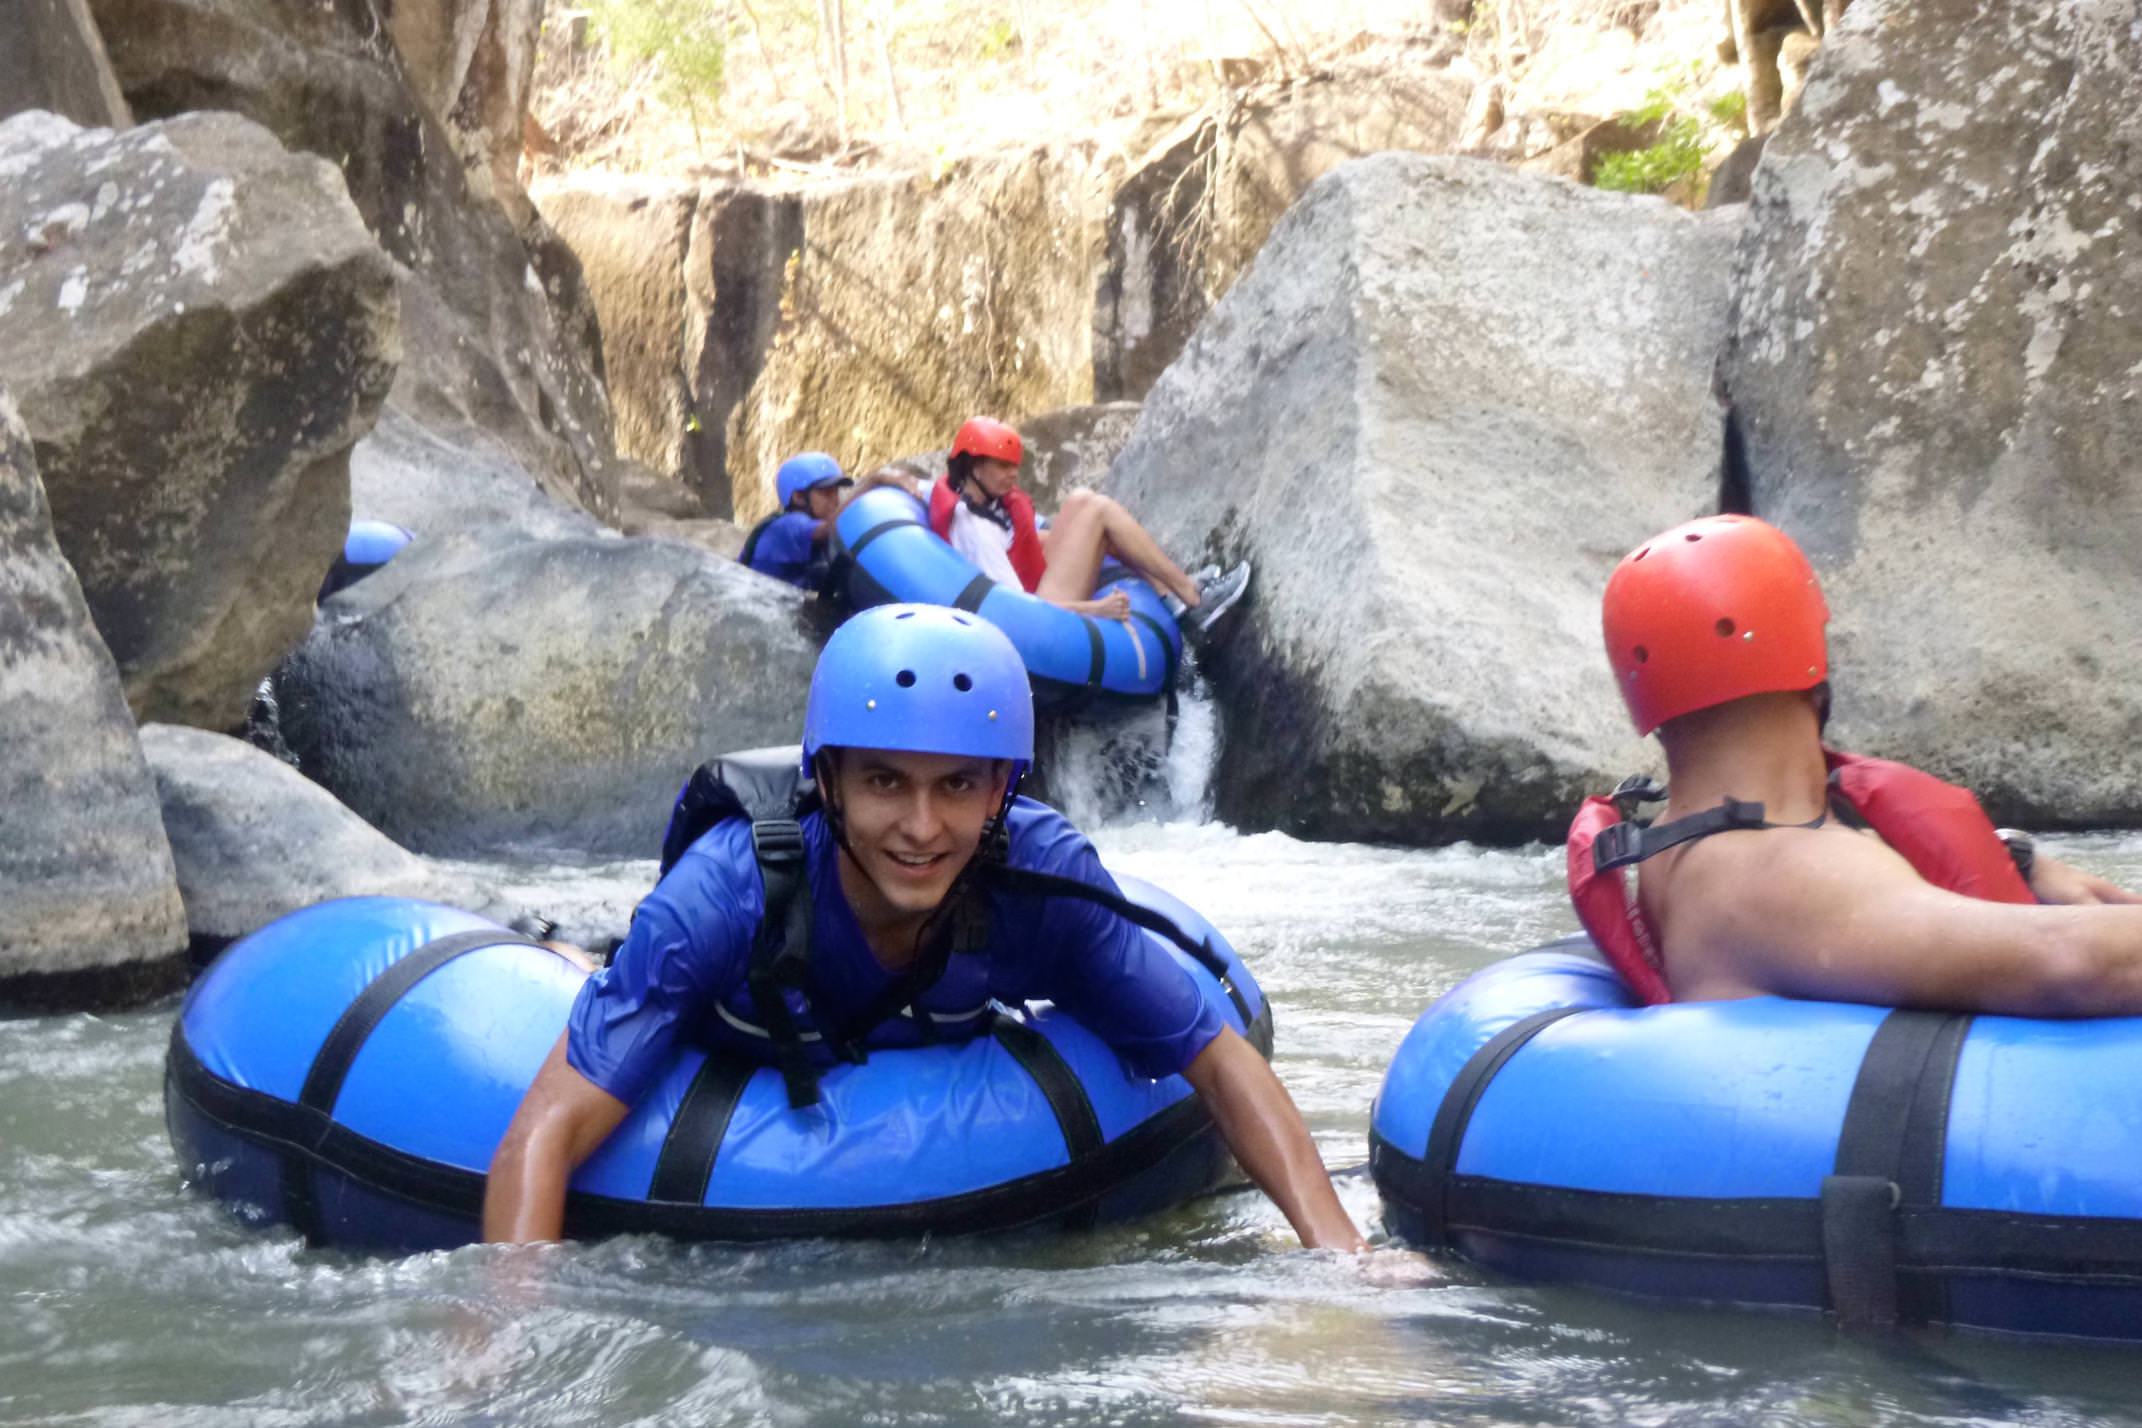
column 2055, row 881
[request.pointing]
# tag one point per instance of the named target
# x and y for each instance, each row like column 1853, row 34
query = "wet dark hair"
column 959, row 468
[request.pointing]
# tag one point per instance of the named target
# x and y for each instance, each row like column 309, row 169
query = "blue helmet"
column 805, row 472
column 921, row 679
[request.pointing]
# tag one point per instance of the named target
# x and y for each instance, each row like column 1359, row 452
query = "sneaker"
column 1217, row 596
column 1201, row 577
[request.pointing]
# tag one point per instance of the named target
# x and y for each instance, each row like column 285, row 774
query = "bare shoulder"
column 1768, row 910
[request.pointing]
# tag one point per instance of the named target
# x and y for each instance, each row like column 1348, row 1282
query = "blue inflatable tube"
column 1917, row 1166
column 368, row 546
column 349, row 1070
column 884, row 550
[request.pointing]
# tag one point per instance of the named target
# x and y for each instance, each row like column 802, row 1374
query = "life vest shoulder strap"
column 751, row 541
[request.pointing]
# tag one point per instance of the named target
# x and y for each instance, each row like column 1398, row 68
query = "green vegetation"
column 682, row 44
column 1676, row 155
column 1684, row 138
column 999, row 39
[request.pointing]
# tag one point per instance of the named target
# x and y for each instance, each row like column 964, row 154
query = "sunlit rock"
column 197, row 327
column 1444, row 400
column 1938, row 359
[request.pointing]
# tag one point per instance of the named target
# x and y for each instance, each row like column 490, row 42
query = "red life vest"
column 1027, row 558
column 1937, row 827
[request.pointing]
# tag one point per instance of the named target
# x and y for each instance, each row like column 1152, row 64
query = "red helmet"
column 1712, row 611
column 989, row 439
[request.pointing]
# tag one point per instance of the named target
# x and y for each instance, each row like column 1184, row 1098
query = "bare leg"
column 1090, row 526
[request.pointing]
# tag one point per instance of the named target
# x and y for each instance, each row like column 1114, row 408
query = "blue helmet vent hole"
column 905, row 615
column 905, row 679
column 962, row 683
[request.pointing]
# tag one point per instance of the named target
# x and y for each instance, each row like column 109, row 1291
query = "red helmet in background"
column 1712, row 611
column 989, row 439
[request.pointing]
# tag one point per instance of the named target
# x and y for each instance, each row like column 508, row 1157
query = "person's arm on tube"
column 563, row 1118
column 1259, row 1122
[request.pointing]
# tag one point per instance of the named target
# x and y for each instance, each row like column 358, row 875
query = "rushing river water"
column 125, row 1299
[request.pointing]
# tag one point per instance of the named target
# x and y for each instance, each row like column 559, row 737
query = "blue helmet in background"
column 805, row 472
column 921, row 679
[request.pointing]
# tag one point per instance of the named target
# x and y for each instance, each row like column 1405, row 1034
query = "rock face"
column 1938, row 359
column 863, row 318
column 470, row 64
column 486, row 352
column 89, row 904
column 197, row 327
column 253, row 839
column 1189, row 216
column 477, row 693
column 1434, row 456
column 428, row 481
column 648, row 261
column 54, row 60
column 1071, row 448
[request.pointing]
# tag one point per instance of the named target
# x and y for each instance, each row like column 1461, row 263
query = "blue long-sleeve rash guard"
column 690, row 948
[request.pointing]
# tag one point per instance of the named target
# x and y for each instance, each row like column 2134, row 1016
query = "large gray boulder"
column 445, row 477
column 255, row 839
column 89, row 903
column 1938, row 359
column 1441, row 404
column 198, row 328
column 486, row 350
column 54, row 60
column 481, row 693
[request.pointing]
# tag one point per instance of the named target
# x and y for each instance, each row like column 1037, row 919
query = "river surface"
column 125, row 1299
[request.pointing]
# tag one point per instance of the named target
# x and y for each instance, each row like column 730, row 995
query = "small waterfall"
column 1142, row 763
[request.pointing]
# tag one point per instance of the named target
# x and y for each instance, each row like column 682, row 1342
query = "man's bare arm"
column 1259, row 1122
column 562, row 1119
column 1836, row 916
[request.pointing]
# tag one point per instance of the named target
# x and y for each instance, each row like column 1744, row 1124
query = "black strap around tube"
column 864, row 541
column 686, row 1163
column 1889, row 1156
column 1058, row 1082
column 338, row 1051
column 1446, row 1138
column 972, row 595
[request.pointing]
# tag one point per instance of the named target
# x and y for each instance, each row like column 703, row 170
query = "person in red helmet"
column 979, row 508
column 1780, row 866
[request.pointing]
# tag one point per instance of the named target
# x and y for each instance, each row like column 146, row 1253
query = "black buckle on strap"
column 777, row 840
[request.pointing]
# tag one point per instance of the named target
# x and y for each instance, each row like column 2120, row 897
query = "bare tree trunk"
column 833, row 19
column 758, row 42
column 1025, row 10
column 892, row 77
column 1145, row 54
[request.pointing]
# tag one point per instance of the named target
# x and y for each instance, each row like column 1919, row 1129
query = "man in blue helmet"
column 790, row 544
column 919, row 725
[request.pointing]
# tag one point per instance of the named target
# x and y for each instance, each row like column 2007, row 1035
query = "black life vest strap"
column 751, row 541
column 1027, row 880
column 781, row 951
column 1626, row 844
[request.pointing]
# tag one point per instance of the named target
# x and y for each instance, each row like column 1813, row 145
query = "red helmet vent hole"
column 1724, row 629
column 1643, row 656
column 962, row 683
column 1640, row 555
column 905, row 679
column 1693, row 536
